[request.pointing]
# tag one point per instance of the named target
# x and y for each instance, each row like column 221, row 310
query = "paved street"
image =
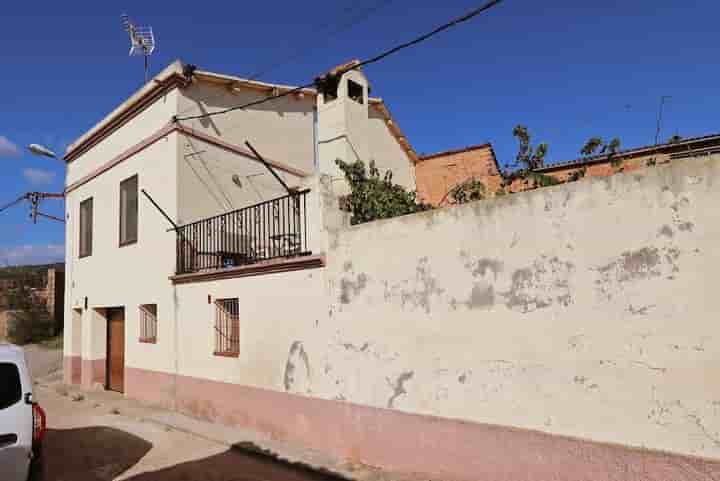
column 86, row 441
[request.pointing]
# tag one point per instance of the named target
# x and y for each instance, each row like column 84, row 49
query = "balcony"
column 270, row 230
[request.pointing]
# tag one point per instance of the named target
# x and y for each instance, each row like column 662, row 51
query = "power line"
column 464, row 18
column 13, row 203
column 303, row 52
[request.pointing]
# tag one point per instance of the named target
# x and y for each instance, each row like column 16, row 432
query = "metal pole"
column 270, row 168
column 659, row 120
column 175, row 226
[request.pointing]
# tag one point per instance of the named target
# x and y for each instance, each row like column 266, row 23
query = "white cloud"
column 7, row 148
column 32, row 254
column 39, row 176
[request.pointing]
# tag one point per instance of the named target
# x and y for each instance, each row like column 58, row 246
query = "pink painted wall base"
column 397, row 441
column 92, row 372
column 72, row 368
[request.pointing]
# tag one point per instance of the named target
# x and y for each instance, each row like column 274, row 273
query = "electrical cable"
column 13, row 203
column 464, row 18
column 303, row 52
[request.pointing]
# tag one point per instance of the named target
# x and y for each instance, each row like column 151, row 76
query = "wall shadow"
column 90, row 454
column 103, row 453
column 235, row 465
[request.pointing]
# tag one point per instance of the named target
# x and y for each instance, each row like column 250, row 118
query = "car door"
column 16, row 421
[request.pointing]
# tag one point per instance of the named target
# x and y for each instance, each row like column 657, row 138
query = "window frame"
column 146, row 315
column 17, row 392
column 128, row 242
column 233, row 327
column 83, row 249
column 355, row 86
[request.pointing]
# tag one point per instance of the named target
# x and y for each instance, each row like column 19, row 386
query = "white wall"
column 153, row 118
column 585, row 310
column 205, row 181
column 125, row 276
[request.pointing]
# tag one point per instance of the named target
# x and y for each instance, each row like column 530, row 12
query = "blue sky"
column 567, row 69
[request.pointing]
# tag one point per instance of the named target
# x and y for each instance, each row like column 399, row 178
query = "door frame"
column 108, row 312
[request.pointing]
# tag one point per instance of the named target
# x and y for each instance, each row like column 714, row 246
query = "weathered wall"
column 584, row 310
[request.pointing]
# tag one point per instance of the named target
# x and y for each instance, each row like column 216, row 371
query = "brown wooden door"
column 116, row 350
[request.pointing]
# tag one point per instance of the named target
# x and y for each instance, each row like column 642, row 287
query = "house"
column 467, row 343
column 633, row 159
column 437, row 174
column 167, row 217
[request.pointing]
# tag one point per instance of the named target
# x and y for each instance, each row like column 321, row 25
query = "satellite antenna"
column 142, row 41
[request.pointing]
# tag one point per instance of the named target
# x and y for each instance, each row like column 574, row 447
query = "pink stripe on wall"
column 438, row 447
column 72, row 367
column 92, row 372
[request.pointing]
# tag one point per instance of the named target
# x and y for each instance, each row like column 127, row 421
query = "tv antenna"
column 35, row 198
column 142, row 41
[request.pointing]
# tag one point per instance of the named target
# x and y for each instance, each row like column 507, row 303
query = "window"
column 355, row 92
column 10, row 388
column 227, row 327
column 329, row 88
column 129, row 211
column 148, row 323
column 86, row 227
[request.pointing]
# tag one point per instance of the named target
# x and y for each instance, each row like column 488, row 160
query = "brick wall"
column 438, row 173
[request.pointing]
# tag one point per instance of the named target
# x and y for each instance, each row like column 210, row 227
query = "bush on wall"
column 373, row 196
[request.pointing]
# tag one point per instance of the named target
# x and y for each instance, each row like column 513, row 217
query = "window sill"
column 226, row 354
column 148, row 340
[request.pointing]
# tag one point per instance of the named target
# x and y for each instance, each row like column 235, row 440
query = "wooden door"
column 116, row 350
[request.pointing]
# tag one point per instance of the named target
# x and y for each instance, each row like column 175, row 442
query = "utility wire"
column 327, row 35
column 13, row 203
column 468, row 16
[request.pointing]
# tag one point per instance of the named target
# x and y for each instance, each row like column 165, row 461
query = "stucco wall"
column 585, row 310
column 156, row 116
column 126, row 276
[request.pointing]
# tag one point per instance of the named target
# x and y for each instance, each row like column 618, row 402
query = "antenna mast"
column 142, row 41
column 659, row 120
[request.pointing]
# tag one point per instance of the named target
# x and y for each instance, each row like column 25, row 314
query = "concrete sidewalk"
column 233, row 438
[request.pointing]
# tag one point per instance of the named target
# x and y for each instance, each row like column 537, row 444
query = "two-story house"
column 176, row 231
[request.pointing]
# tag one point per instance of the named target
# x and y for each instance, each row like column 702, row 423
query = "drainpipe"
column 316, row 147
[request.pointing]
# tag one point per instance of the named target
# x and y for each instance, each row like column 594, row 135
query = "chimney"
column 342, row 124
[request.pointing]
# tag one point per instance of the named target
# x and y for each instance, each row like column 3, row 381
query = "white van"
column 22, row 421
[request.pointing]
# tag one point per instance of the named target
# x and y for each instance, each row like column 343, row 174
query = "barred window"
column 227, row 327
column 148, row 323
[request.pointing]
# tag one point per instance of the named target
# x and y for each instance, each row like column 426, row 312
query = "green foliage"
column 577, row 175
column 674, row 139
column 542, row 180
column 528, row 157
column 468, row 191
column 591, row 146
column 373, row 196
column 612, row 147
column 598, row 145
column 29, row 326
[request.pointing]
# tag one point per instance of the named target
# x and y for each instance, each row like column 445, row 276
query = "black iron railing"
column 272, row 229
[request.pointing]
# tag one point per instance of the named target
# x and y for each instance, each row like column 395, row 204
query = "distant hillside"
column 19, row 272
